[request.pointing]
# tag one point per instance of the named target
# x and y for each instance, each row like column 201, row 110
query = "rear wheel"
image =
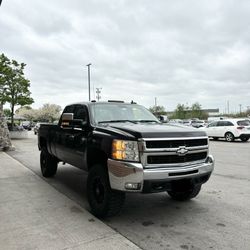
column 229, row 137
column 185, row 195
column 48, row 163
column 104, row 201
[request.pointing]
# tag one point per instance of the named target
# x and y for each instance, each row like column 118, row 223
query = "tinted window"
column 80, row 113
column 221, row 123
column 227, row 123
column 212, row 124
column 69, row 109
column 244, row 123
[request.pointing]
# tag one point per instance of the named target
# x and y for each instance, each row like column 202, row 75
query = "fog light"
column 210, row 159
column 132, row 186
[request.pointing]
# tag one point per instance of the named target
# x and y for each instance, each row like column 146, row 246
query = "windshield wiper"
column 113, row 121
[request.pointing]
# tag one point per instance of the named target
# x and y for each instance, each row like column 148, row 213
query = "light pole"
column 88, row 65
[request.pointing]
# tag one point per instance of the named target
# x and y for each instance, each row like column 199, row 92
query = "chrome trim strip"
column 173, row 138
column 174, row 149
column 174, row 165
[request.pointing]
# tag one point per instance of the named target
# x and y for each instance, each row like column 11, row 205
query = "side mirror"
column 67, row 119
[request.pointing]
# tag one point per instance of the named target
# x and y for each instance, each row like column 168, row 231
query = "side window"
column 69, row 109
column 212, row 124
column 221, row 124
column 81, row 113
column 229, row 124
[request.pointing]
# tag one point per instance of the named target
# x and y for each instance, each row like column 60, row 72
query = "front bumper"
column 130, row 176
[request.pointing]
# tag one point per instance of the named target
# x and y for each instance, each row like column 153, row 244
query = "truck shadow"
column 141, row 209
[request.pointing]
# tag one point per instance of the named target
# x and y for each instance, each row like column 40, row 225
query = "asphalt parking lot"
column 219, row 218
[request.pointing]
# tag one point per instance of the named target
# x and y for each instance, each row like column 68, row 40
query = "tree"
column 184, row 112
column 49, row 112
column 7, row 112
column 196, row 112
column 27, row 112
column 14, row 87
column 157, row 110
column 180, row 112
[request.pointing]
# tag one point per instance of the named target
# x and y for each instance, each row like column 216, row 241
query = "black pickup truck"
column 125, row 149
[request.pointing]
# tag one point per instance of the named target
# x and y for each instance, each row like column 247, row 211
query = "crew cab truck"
column 125, row 148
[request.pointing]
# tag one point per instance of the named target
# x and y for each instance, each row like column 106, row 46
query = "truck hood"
column 154, row 130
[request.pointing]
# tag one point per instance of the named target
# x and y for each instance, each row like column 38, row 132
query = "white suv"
column 229, row 129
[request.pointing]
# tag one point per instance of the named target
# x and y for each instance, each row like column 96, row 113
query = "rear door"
column 211, row 129
column 221, row 128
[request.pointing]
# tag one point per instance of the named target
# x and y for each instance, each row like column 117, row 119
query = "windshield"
column 121, row 112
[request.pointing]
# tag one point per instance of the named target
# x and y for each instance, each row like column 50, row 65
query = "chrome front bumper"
column 125, row 175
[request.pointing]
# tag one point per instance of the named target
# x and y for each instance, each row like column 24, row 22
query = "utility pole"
column 228, row 107
column 88, row 65
column 98, row 93
column 240, row 108
column 155, row 101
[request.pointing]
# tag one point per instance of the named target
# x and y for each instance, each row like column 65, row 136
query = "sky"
column 171, row 52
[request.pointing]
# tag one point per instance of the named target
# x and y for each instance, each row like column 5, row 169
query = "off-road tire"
column 229, row 137
column 185, row 195
column 48, row 163
column 103, row 201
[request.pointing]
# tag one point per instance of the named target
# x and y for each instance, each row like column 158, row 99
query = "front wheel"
column 48, row 163
column 104, row 201
column 229, row 137
column 185, row 195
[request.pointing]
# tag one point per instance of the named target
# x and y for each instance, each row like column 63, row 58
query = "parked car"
column 197, row 123
column 229, row 129
column 26, row 125
column 186, row 122
column 175, row 121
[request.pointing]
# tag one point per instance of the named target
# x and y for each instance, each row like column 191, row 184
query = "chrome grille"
column 173, row 152
column 168, row 159
column 176, row 143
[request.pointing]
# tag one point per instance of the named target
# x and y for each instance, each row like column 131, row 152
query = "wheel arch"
column 96, row 156
column 42, row 143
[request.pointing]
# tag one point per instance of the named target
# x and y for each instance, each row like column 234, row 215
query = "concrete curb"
column 34, row 215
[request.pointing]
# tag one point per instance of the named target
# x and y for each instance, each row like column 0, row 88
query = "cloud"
column 179, row 52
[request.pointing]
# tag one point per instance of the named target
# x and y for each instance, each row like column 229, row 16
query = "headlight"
column 125, row 150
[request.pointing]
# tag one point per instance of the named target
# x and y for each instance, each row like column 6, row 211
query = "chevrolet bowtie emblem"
column 181, row 151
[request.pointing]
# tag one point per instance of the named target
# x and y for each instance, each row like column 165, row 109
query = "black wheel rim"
column 98, row 190
column 43, row 163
